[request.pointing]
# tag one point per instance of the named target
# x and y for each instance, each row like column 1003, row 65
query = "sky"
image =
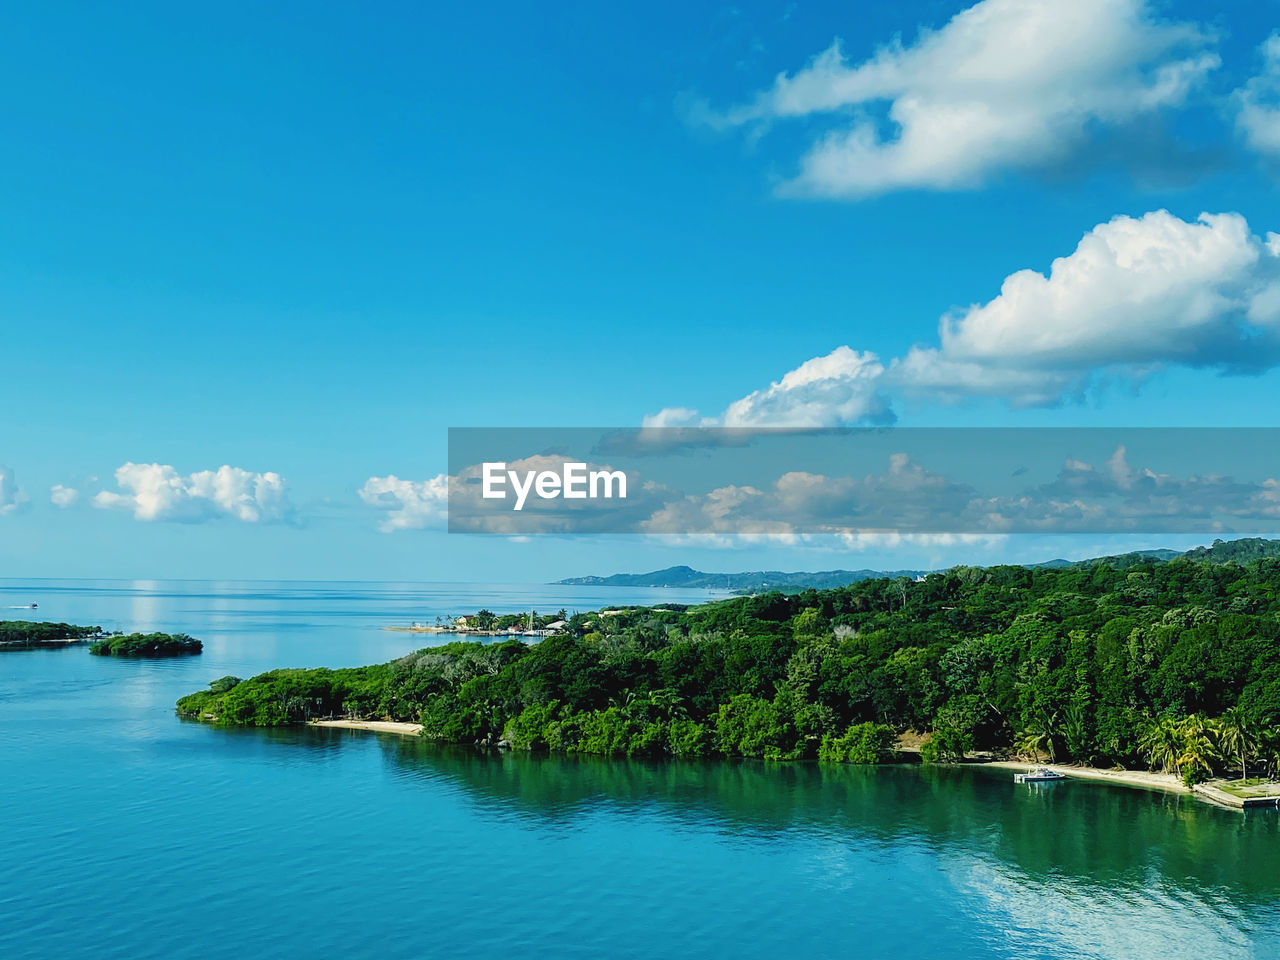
column 256, row 260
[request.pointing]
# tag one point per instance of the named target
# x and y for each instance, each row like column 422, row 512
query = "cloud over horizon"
column 156, row 492
column 408, row 504
column 908, row 500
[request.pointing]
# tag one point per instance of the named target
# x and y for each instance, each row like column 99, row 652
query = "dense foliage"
column 147, row 645
column 1074, row 663
column 25, row 633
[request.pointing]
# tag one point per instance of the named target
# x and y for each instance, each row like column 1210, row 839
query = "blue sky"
column 305, row 240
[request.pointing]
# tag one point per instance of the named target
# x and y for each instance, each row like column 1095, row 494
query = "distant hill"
column 1239, row 551
column 749, row 581
column 1220, row 551
column 1117, row 560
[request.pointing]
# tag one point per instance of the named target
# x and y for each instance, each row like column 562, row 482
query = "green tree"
column 1237, row 735
column 1199, row 747
column 1160, row 743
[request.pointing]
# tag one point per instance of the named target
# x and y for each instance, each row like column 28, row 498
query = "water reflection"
column 1094, row 834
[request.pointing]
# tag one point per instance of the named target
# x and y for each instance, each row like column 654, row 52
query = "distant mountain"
column 749, row 581
column 1118, row 560
column 1220, row 551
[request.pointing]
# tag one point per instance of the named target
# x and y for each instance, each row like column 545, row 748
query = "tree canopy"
column 1073, row 663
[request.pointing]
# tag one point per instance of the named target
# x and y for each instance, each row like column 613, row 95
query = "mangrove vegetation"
column 147, row 645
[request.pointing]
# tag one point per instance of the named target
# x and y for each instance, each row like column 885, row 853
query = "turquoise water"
column 129, row 833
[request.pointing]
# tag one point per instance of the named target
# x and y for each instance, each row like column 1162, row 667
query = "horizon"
column 560, row 580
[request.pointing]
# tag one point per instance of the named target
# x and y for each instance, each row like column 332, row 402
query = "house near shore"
column 552, row 629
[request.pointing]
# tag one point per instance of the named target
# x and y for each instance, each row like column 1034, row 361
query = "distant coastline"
column 1220, row 551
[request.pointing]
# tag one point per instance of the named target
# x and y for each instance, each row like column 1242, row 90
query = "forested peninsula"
column 32, row 635
column 1170, row 665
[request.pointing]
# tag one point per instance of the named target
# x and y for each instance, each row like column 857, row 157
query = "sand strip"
column 382, row 726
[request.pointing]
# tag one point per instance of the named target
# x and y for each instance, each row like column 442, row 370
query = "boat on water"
column 1043, row 775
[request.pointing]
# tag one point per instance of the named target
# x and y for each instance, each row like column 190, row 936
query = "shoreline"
column 381, row 726
column 1127, row 778
column 1142, row 779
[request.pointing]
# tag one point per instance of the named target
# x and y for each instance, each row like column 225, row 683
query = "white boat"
column 1043, row 775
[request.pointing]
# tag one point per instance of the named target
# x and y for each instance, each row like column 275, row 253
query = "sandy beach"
column 382, row 726
column 1130, row 778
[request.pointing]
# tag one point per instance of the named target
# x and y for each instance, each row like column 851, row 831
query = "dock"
column 1207, row 791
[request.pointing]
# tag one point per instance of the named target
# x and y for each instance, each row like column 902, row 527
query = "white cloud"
column 670, row 417
column 1006, row 84
column 157, row 492
column 825, row 391
column 838, row 388
column 910, row 504
column 63, row 497
column 801, row 502
column 409, row 504
column 1137, row 294
column 12, row 497
column 1258, row 119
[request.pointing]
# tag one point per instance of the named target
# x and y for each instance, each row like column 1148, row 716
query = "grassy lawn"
column 1252, row 787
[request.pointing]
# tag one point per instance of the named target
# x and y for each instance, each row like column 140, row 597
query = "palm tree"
column 1041, row 734
column 1237, row 735
column 1199, row 746
column 1269, row 749
column 1161, row 743
column 1031, row 742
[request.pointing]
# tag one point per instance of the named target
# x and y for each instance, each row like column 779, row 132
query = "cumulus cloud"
column 826, row 391
column 910, row 504
column 157, row 492
column 61, row 496
column 408, row 504
column 1005, row 84
column 1118, row 497
column 1258, row 101
column 839, row 388
column 456, row 500
column 670, row 417
column 903, row 498
column 12, row 497
column 1136, row 294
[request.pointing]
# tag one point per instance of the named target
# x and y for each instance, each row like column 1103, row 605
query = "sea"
column 127, row 832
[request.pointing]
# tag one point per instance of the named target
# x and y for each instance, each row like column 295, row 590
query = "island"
column 1165, row 666
column 29, row 635
column 147, row 645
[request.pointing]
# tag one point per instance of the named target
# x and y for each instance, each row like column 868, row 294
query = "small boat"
column 1043, row 775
